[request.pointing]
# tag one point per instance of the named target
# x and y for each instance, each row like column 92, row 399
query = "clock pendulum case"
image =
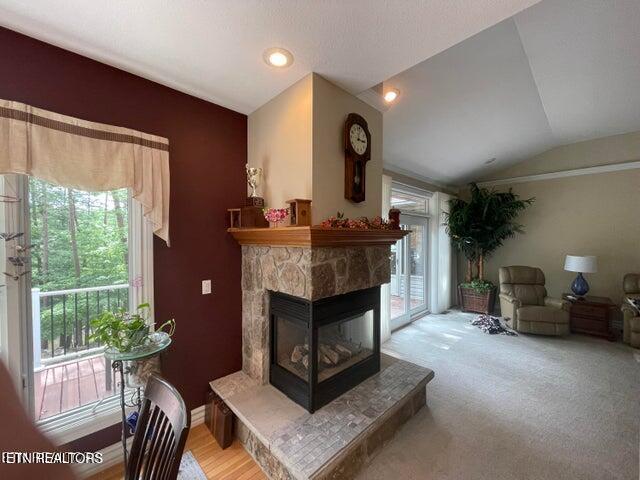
column 357, row 152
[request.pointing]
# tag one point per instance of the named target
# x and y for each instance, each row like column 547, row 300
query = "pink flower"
column 275, row 215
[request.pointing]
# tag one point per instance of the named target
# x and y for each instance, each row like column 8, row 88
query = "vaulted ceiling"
column 213, row 48
column 559, row 72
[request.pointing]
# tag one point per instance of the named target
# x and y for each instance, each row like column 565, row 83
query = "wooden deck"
column 69, row 385
column 233, row 463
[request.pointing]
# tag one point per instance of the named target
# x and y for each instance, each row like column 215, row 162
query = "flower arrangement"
column 362, row 223
column 275, row 215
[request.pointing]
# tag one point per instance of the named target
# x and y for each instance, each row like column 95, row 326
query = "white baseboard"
column 197, row 416
column 112, row 455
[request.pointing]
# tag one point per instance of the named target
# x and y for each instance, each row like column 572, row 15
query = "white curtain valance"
column 89, row 156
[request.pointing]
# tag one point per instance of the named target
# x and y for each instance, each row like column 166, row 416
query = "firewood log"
column 343, row 350
column 298, row 352
column 332, row 355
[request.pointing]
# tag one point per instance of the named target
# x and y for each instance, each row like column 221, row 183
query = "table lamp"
column 586, row 264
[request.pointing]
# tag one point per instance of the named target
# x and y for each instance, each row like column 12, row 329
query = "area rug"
column 492, row 325
column 190, row 468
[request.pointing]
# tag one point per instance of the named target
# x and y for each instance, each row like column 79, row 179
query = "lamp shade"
column 586, row 264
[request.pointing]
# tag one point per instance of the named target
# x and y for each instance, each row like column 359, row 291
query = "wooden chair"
column 160, row 435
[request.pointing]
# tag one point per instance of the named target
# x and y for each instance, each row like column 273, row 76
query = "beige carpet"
column 525, row 407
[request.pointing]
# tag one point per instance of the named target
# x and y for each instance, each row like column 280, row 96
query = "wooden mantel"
column 315, row 236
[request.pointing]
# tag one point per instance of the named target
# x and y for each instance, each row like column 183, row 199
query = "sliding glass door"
column 409, row 271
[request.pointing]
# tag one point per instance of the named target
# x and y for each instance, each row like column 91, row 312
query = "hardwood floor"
column 233, row 463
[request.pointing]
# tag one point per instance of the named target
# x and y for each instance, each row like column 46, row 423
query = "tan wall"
column 297, row 139
column 601, row 151
column 584, row 215
column 581, row 215
column 331, row 105
column 280, row 141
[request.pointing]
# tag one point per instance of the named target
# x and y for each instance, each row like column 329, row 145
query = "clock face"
column 358, row 139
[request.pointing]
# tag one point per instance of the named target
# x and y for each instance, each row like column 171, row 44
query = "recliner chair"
column 525, row 305
column 631, row 315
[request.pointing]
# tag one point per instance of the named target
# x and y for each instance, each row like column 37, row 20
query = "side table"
column 118, row 359
column 590, row 315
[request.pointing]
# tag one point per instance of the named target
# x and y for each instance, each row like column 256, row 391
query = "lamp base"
column 580, row 286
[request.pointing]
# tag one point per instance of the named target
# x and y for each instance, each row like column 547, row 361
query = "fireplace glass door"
column 321, row 349
column 345, row 343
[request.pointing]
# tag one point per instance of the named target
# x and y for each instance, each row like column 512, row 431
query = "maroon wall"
column 208, row 151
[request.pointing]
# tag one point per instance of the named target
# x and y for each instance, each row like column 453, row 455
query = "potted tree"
column 478, row 227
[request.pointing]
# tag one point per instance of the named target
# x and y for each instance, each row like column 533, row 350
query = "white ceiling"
column 585, row 58
column 213, row 48
column 557, row 73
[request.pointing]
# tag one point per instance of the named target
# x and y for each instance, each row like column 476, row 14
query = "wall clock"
column 357, row 152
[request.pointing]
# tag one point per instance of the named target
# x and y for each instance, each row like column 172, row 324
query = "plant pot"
column 471, row 300
column 139, row 371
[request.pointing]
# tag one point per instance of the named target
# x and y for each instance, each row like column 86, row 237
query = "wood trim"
column 614, row 167
column 315, row 236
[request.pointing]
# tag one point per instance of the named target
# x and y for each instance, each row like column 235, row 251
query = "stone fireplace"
column 311, row 330
column 321, row 349
column 309, row 274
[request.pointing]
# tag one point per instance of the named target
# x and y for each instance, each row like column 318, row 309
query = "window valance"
column 87, row 155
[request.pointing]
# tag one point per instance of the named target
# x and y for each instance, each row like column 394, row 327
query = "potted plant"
column 478, row 227
column 127, row 332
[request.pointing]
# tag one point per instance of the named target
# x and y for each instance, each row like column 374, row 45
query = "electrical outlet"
column 206, row 287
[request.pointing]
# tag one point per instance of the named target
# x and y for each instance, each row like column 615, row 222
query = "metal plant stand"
column 118, row 359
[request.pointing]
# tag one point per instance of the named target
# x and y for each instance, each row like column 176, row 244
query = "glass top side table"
column 158, row 342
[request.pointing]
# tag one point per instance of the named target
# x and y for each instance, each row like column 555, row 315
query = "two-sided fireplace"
column 321, row 349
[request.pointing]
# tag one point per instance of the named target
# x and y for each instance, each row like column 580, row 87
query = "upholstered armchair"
column 630, row 315
column 525, row 305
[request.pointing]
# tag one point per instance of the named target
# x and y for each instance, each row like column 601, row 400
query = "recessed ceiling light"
column 277, row 57
column 391, row 95
column 490, row 161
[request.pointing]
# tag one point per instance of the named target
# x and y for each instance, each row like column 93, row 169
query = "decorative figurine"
column 394, row 219
column 253, row 179
column 300, row 212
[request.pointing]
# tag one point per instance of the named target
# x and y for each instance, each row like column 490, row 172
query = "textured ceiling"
column 559, row 72
column 213, row 48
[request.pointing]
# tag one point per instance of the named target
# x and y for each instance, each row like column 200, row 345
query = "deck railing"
column 61, row 320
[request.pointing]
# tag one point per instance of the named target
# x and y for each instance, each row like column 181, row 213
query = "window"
column 74, row 254
column 79, row 267
column 409, row 202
